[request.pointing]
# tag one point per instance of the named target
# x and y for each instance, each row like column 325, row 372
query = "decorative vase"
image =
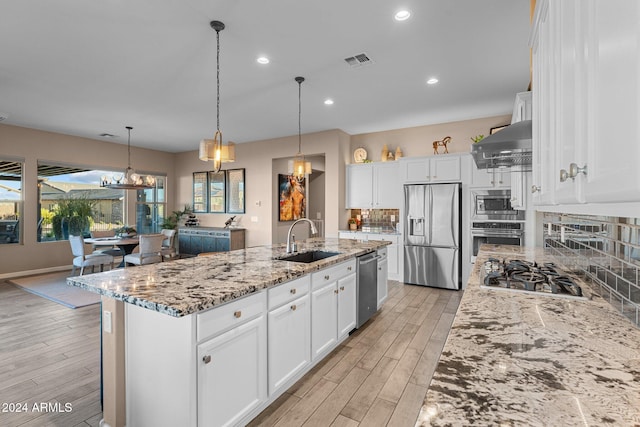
column 385, row 153
column 398, row 153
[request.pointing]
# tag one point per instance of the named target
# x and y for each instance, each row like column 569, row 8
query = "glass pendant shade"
column 298, row 167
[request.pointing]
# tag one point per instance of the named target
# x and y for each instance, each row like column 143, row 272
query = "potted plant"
column 353, row 225
column 171, row 222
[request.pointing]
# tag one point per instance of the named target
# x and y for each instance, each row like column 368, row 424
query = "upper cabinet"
column 373, row 186
column 586, row 104
column 432, row 169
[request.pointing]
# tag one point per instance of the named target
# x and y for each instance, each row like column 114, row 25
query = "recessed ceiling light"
column 328, row 102
column 263, row 60
column 108, row 135
column 402, row 15
column 432, row 81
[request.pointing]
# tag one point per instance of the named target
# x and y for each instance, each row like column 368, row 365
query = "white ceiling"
column 83, row 67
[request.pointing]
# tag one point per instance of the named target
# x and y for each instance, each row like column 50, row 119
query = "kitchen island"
column 518, row 358
column 213, row 340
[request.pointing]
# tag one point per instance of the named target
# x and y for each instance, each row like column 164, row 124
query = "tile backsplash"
column 377, row 219
column 606, row 250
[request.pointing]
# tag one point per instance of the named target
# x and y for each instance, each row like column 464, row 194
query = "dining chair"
column 83, row 260
column 150, row 250
column 109, row 250
column 168, row 244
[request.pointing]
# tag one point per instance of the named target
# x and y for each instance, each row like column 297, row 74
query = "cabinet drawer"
column 289, row 291
column 235, row 313
column 382, row 252
column 333, row 273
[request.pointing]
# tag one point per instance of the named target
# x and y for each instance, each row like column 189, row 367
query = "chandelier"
column 130, row 180
column 298, row 167
column 214, row 149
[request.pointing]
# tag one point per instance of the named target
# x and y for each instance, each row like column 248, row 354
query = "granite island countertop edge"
column 187, row 286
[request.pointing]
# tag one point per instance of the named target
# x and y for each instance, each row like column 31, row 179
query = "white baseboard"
column 34, row 272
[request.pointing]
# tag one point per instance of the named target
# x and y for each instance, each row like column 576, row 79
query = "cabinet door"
column 359, row 186
column 289, row 341
column 382, row 279
column 208, row 244
column 393, row 271
column 222, row 244
column 613, row 133
column 387, row 189
column 445, row 169
column 184, row 243
column 232, row 374
column 347, row 305
column 489, row 178
column 196, row 244
column 417, row 170
column 324, row 319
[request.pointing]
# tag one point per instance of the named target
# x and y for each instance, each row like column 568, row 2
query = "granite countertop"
column 387, row 231
column 516, row 359
column 190, row 285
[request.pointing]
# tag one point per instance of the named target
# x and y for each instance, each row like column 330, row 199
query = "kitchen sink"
column 308, row 257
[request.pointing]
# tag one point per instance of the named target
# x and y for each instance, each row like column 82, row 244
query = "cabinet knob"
column 293, row 291
column 574, row 170
column 535, row 189
column 349, row 268
column 564, row 175
column 237, row 314
column 342, row 288
column 335, row 291
column 293, row 307
column 206, row 359
column 326, row 277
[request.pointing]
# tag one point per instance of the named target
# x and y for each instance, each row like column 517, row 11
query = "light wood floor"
column 379, row 376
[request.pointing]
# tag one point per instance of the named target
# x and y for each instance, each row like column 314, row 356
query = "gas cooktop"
column 526, row 276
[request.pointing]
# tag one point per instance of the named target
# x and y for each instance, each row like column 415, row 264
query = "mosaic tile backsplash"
column 377, row 219
column 605, row 250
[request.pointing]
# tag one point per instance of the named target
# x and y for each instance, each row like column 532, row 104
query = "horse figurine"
column 443, row 143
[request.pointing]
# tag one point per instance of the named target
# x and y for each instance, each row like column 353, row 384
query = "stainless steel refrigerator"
column 432, row 235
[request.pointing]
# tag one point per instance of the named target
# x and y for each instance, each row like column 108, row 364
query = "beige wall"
column 256, row 157
column 418, row 141
column 261, row 197
column 33, row 145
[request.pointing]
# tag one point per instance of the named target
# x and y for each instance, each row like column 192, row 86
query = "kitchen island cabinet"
column 205, row 336
column 521, row 358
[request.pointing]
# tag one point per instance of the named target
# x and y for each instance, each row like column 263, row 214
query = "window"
column 151, row 207
column 11, row 203
column 71, row 201
column 219, row 192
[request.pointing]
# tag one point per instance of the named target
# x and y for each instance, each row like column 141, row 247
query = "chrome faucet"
column 314, row 230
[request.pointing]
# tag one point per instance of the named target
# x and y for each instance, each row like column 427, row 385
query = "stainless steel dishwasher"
column 367, row 287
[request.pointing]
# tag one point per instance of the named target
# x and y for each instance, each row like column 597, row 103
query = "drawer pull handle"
column 237, row 314
column 206, row 359
column 326, row 277
column 293, row 307
column 293, row 291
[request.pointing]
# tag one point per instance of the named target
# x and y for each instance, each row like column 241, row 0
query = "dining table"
column 126, row 244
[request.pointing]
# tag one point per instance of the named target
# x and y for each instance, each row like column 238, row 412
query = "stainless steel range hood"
column 509, row 147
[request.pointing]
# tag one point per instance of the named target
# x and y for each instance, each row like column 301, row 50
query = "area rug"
column 53, row 286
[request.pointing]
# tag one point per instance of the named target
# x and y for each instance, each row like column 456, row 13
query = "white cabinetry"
column 232, row 374
column 586, row 99
column 333, row 307
column 522, row 108
column 289, row 332
column 489, row 178
column 382, row 276
column 373, row 185
column 432, row 169
column 393, row 250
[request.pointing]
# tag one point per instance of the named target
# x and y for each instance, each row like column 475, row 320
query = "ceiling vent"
column 358, row 60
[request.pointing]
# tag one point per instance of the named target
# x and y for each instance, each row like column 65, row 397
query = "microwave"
column 494, row 205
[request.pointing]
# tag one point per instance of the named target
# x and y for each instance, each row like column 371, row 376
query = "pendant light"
column 299, row 168
column 130, row 180
column 213, row 149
